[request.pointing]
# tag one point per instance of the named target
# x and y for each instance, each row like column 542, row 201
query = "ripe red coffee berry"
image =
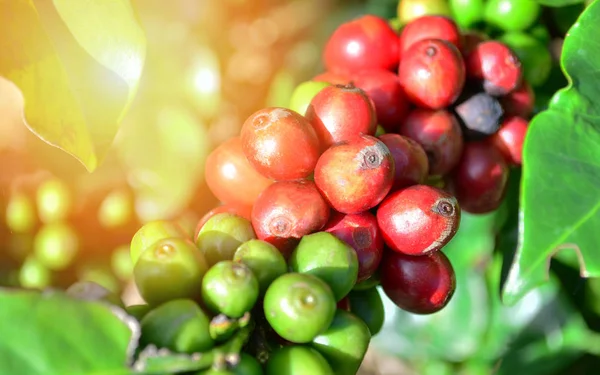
column 432, row 73
column 361, row 232
column 420, row 285
column 519, row 102
column 509, row 139
column 355, row 176
column 227, row 169
column 479, row 180
column 495, row 64
column 470, row 40
column 288, row 210
column 340, row 113
column 410, row 160
column 367, row 42
column 383, row 87
column 280, row 143
column 418, row 220
column 429, row 27
column 440, row 135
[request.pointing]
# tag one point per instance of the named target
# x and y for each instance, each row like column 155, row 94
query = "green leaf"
column 164, row 149
column 50, row 333
column 77, row 64
column 560, row 207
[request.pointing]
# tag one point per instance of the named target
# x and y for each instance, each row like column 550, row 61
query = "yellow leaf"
column 77, row 64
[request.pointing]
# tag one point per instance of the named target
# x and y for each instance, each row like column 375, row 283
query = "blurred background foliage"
column 210, row 64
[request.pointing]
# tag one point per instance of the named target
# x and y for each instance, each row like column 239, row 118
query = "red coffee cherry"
column 429, row 27
column 495, row 64
column 509, row 139
column 410, row 160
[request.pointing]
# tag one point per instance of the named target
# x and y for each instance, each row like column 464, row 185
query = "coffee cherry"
column 297, row 360
column 440, row 135
column 361, row 232
column 429, row 27
column 367, row 305
column 479, row 180
column 410, row 160
column 333, row 78
column 519, row 102
column 152, row 232
column 344, row 304
column 420, row 285
column 222, row 234
column 179, row 325
column 53, row 200
column 227, row 169
column 496, row 65
column 509, row 139
column 280, row 144
column 264, row 259
column 299, row 306
column 418, row 220
column 244, row 212
column 230, row 288
column 366, row 42
column 304, row 93
column 512, row 15
column 355, row 176
column 169, row 269
column 479, row 115
column 334, row 342
column 410, row 10
column 56, row 245
column 341, row 113
column 471, row 39
column 383, row 87
column 332, row 260
column 432, row 73
column 288, row 210
column 248, row 365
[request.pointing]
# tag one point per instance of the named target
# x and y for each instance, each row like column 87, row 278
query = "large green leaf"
column 560, row 201
column 50, row 333
column 77, row 64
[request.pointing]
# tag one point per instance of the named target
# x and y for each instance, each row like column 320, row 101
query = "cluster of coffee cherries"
column 460, row 95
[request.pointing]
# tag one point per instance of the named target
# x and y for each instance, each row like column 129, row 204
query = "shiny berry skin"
column 361, row 232
column 410, row 160
column 440, row 135
column 299, row 306
column 264, row 259
column 479, row 180
column 341, row 113
column 244, row 212
column 280, row 143
column 420, row 285
column 429, row 27
column 418, row 220
column 509, row 139
column 150, row 233
column 227, row 169
column 519, row 102
column 496, row 65
column 221, row 235
column 297, row 360
column 368, row 305
column 355, row 176
column 366, row 42
column 432, row 73
column 288, row 210
column 383, row 87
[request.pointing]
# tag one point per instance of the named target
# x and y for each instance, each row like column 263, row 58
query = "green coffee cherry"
column 230, row 288
column 367, row 305
column 34, row 274
column 20, row 213
column 334, row 261
column 222, row 234
column 152, row 232
column 53, row 200
column 170, row 269
column 116, row 210
column 512, row 15
column 264, row 259
column 533, row 54
column 297, row 360
column 179, row 325
column 248, row 365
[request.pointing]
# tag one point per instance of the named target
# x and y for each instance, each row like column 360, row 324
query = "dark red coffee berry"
column 509, row 139
column 356, row 175
column 470, row 40
column 340, row 113
column 420, row 285
column 367, row 42
column 280, row 143
column 419, row 219
column 480, row 115
column 383, row 87
column 344, row 304
column 410, row 160
column 361, row 232
column 479, row 180
column 432, row 73
column 429, row 27
column 495, row 64
column 288, row 210
column 439, row 133
column 519, row 102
